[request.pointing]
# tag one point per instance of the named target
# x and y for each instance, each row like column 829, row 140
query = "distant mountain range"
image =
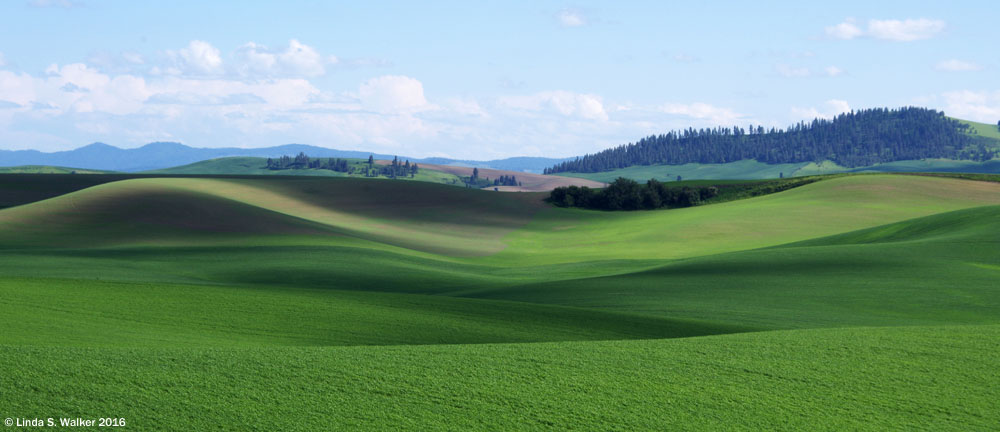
column 159, row 155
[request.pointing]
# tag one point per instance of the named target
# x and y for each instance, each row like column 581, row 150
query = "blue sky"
column 475, row 80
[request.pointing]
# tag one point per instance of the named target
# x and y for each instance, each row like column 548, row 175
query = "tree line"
column 854, row 139
column 628, row 194
column 506, row 180
column 301, row 161
column 395, row 169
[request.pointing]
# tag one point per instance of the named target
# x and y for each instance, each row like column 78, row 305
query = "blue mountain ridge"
column 159, row 155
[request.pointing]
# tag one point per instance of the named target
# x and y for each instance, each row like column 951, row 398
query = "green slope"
column 819, row 209
column 935, row 378
column 983, row 129
column 74, row 312
column 242, row 303
column 942, row 269
column 416, row 215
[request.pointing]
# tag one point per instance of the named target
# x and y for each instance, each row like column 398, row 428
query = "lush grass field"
column 936, row 378
column 984, row 129
column 857, row 302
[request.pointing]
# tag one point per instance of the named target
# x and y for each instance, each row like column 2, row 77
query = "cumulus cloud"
column 978, row 106
column 567, row 104
column 703, row 111
column 833, row 71
column 297, row 59
column 907, row 30
column 833, row 107
column 199, row 57
column 571, row 18
column 955, row 65
column 845, row 30
column 393, row 94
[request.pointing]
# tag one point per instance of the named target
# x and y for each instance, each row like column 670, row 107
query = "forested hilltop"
column 858, row 138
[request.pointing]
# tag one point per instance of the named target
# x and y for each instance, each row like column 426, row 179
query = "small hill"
column 855, row 139
column 258, row 166
column 939, row 269
column 417, row 215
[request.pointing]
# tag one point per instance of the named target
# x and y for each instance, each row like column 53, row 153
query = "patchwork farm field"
column 260, row 303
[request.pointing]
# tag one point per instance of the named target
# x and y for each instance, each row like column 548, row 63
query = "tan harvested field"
column 529, row 182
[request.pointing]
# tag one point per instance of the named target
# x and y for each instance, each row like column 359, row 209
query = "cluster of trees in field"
column 506, row 180
column 854, row 139
column 370, row 169
column 395, row 169
column 628, row 194
column 474, row 181
column 301, row 161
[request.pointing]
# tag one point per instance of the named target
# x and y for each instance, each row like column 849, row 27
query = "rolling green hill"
column 863, row 301
column 258, row 166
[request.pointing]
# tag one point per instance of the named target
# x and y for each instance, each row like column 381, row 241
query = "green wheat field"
column 323, row 303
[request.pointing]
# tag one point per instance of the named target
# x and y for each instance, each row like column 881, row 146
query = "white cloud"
column 905, row 30
column 845, row 30
column 198, row 57
column 804, row 72
column 567, row 104
column 977, row 106
column 703, row 111
column 792, row 72
column 833, row 108
column 297, row 59
column 892, row 29
column 393, row 94
column 955, row 65
column 571, row 18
